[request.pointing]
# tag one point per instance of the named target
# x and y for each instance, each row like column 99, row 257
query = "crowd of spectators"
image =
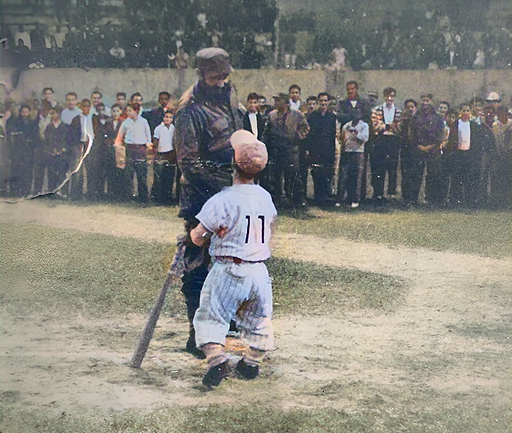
column 85, row 150
column 430, row 41
column 363, row 152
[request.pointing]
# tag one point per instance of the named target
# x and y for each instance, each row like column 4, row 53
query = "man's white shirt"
column 254, row 123
column 68, row 115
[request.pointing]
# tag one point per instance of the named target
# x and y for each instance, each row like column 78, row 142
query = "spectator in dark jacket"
column 56, row 142
column 24, row 135
column 426, row 133
column 321, row 148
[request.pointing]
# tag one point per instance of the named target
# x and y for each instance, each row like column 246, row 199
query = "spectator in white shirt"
column 165, row 161
column 69, row 113
column 135, row 136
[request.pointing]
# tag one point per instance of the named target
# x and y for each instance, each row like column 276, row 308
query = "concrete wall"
column 454, row 86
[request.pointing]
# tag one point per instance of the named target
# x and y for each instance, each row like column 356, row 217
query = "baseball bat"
column 175, row 271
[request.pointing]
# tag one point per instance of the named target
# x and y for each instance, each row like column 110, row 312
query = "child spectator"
column 165, row 161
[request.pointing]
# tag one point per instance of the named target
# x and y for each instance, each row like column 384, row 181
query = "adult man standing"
column 121, row 100
column 344, row 114
column 353, row 101
column 207, row 114
column 426, row 132
column 321, row 148
column 71, row 110
column 253, row 120
column 81, row 134
column 96, row 97
column 155, row 117
column 283, row 133
column 386, row 120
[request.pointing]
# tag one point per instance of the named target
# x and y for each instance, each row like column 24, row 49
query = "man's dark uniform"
column 206, row 117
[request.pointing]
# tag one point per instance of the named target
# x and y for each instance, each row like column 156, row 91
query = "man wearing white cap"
column 207, row 114
column 238, row 224
column 494, row 100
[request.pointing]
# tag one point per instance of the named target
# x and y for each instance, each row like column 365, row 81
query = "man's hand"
column 200, row 235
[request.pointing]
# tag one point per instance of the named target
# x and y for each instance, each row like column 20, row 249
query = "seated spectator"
column 117, row 52
column 22, row 55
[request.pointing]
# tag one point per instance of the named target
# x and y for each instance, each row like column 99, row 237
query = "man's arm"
column 186, row 140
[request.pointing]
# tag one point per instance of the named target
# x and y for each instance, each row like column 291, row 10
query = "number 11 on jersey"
column 262, row 219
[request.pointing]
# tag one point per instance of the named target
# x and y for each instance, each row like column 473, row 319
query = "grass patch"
column 65, row 269
column 485, row 233
column 379, row 417
column 307, row 288
column 480, row 232
column 44, row 267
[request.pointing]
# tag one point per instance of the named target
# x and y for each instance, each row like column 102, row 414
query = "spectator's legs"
column 392, row 150
column 378, row 166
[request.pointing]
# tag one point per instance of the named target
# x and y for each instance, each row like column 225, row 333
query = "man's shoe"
column 245, row 371
column 215, row 375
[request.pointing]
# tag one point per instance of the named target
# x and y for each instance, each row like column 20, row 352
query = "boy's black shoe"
column 245, row 371
column 214, row 375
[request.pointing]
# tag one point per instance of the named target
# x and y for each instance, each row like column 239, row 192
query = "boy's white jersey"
column 247, row 211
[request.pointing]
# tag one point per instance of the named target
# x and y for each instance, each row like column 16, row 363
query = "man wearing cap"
column 426, row 133
column 372, row 98
column 207, row 114
column 237, row 223
column 285, row 130
column 494, row 100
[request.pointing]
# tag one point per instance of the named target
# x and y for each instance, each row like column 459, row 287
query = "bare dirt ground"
column 449, row 339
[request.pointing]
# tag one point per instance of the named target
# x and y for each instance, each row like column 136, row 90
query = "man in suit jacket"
column 253, row 120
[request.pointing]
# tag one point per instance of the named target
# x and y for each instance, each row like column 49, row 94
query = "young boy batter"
column 239, row 222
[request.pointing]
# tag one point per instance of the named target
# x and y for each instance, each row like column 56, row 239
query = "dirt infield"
column 449, row 339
